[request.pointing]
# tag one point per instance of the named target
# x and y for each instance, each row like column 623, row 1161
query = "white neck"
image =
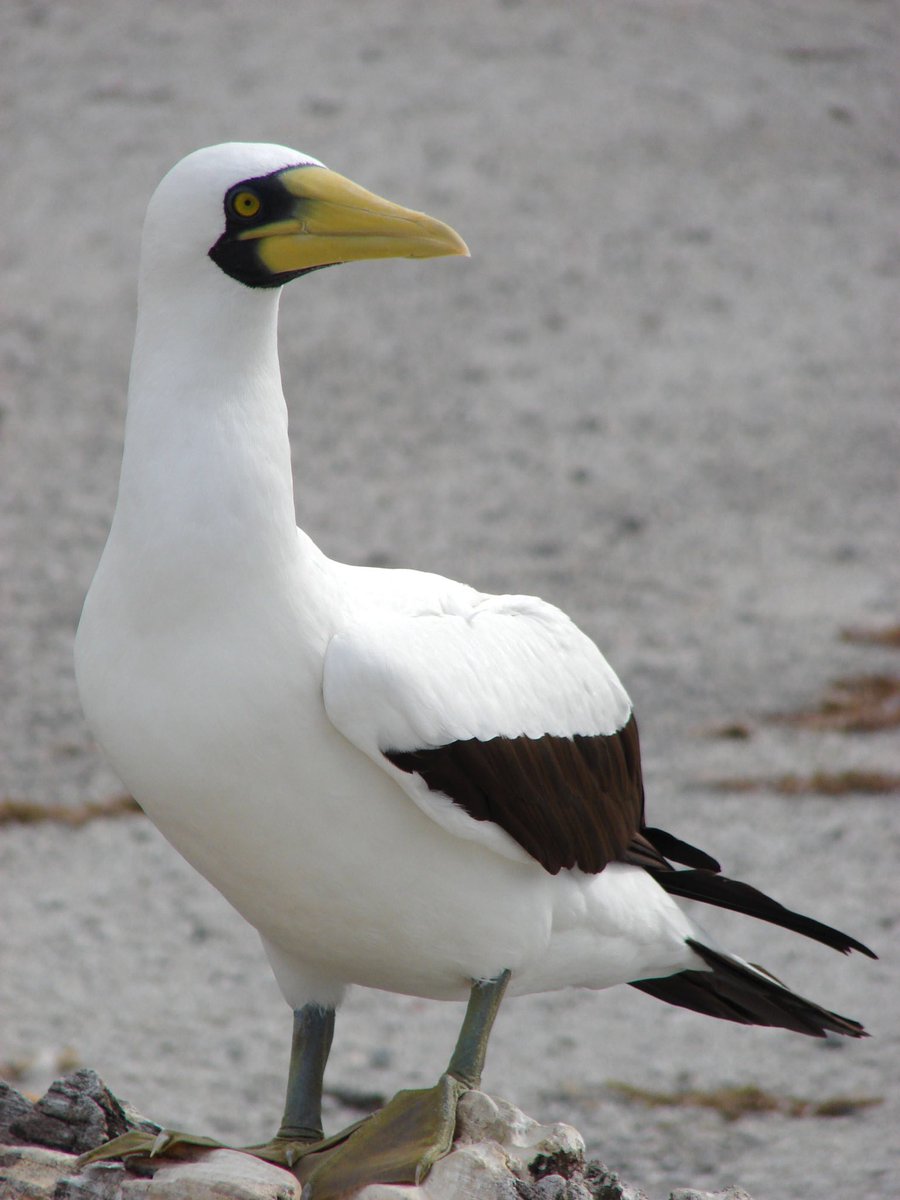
column 206, row 472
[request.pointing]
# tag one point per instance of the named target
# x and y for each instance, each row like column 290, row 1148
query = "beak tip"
column 456, row 245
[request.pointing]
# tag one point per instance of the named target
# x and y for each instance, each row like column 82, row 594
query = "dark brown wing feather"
column 569, row 802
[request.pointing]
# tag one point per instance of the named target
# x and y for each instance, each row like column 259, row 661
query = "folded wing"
column 501, row 720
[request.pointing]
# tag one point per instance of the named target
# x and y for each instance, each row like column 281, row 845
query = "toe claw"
column 160, row 1142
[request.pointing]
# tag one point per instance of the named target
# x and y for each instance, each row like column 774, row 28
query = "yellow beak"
column 336, row 221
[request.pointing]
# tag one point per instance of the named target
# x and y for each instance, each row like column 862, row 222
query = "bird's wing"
column 501, row 720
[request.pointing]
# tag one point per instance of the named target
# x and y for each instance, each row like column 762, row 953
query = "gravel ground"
column 662, row 394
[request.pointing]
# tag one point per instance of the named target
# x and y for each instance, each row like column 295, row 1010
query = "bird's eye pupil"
column 245, row 204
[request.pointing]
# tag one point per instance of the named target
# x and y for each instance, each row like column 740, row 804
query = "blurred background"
column 661, row 394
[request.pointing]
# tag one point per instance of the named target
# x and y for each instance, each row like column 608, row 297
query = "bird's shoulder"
column 421, row 660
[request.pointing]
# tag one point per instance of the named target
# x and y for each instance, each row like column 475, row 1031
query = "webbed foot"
column 147, row 1144
column 288, row 1151
column 398, row 1144
column 165, row 1143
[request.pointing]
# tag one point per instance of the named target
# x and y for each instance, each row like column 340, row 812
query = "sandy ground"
column 662, row 394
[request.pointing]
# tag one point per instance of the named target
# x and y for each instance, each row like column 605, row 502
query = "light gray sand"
column 661, row 394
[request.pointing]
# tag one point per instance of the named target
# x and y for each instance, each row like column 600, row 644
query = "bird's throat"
column 206, row 472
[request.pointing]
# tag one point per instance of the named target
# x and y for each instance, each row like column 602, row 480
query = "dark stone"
column 571, row 1180
column 604, row 1184
column 562, row 1165
column 14, row 1107
column 77, row 1114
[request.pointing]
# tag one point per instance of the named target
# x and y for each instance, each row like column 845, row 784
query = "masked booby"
column 399, row 781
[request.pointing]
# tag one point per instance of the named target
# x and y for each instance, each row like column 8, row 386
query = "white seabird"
column 399, row 781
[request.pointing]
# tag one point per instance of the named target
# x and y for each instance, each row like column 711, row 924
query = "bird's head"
column 265, row 214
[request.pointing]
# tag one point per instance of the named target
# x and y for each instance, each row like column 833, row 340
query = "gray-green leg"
column 310, row 1045
column 403, row 1140
column 467, row 1061
column 300, row 1133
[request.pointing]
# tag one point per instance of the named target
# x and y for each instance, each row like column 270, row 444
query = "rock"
column 13, row 1108
column 102, row 1181
column 532, row 1150
column 606, row 1185
column 499, row 1154
column 31, row 1173
column 35, row 1173
column 223, row 1175
column 77, row 1114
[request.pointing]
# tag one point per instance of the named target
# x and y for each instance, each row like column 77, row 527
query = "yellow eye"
column 245, row 204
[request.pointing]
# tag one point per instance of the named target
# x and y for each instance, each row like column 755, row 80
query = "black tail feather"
column 741, row 897
column 746, row 994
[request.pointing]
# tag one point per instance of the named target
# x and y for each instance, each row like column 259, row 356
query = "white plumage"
column 277, row 714
column 243, row 685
